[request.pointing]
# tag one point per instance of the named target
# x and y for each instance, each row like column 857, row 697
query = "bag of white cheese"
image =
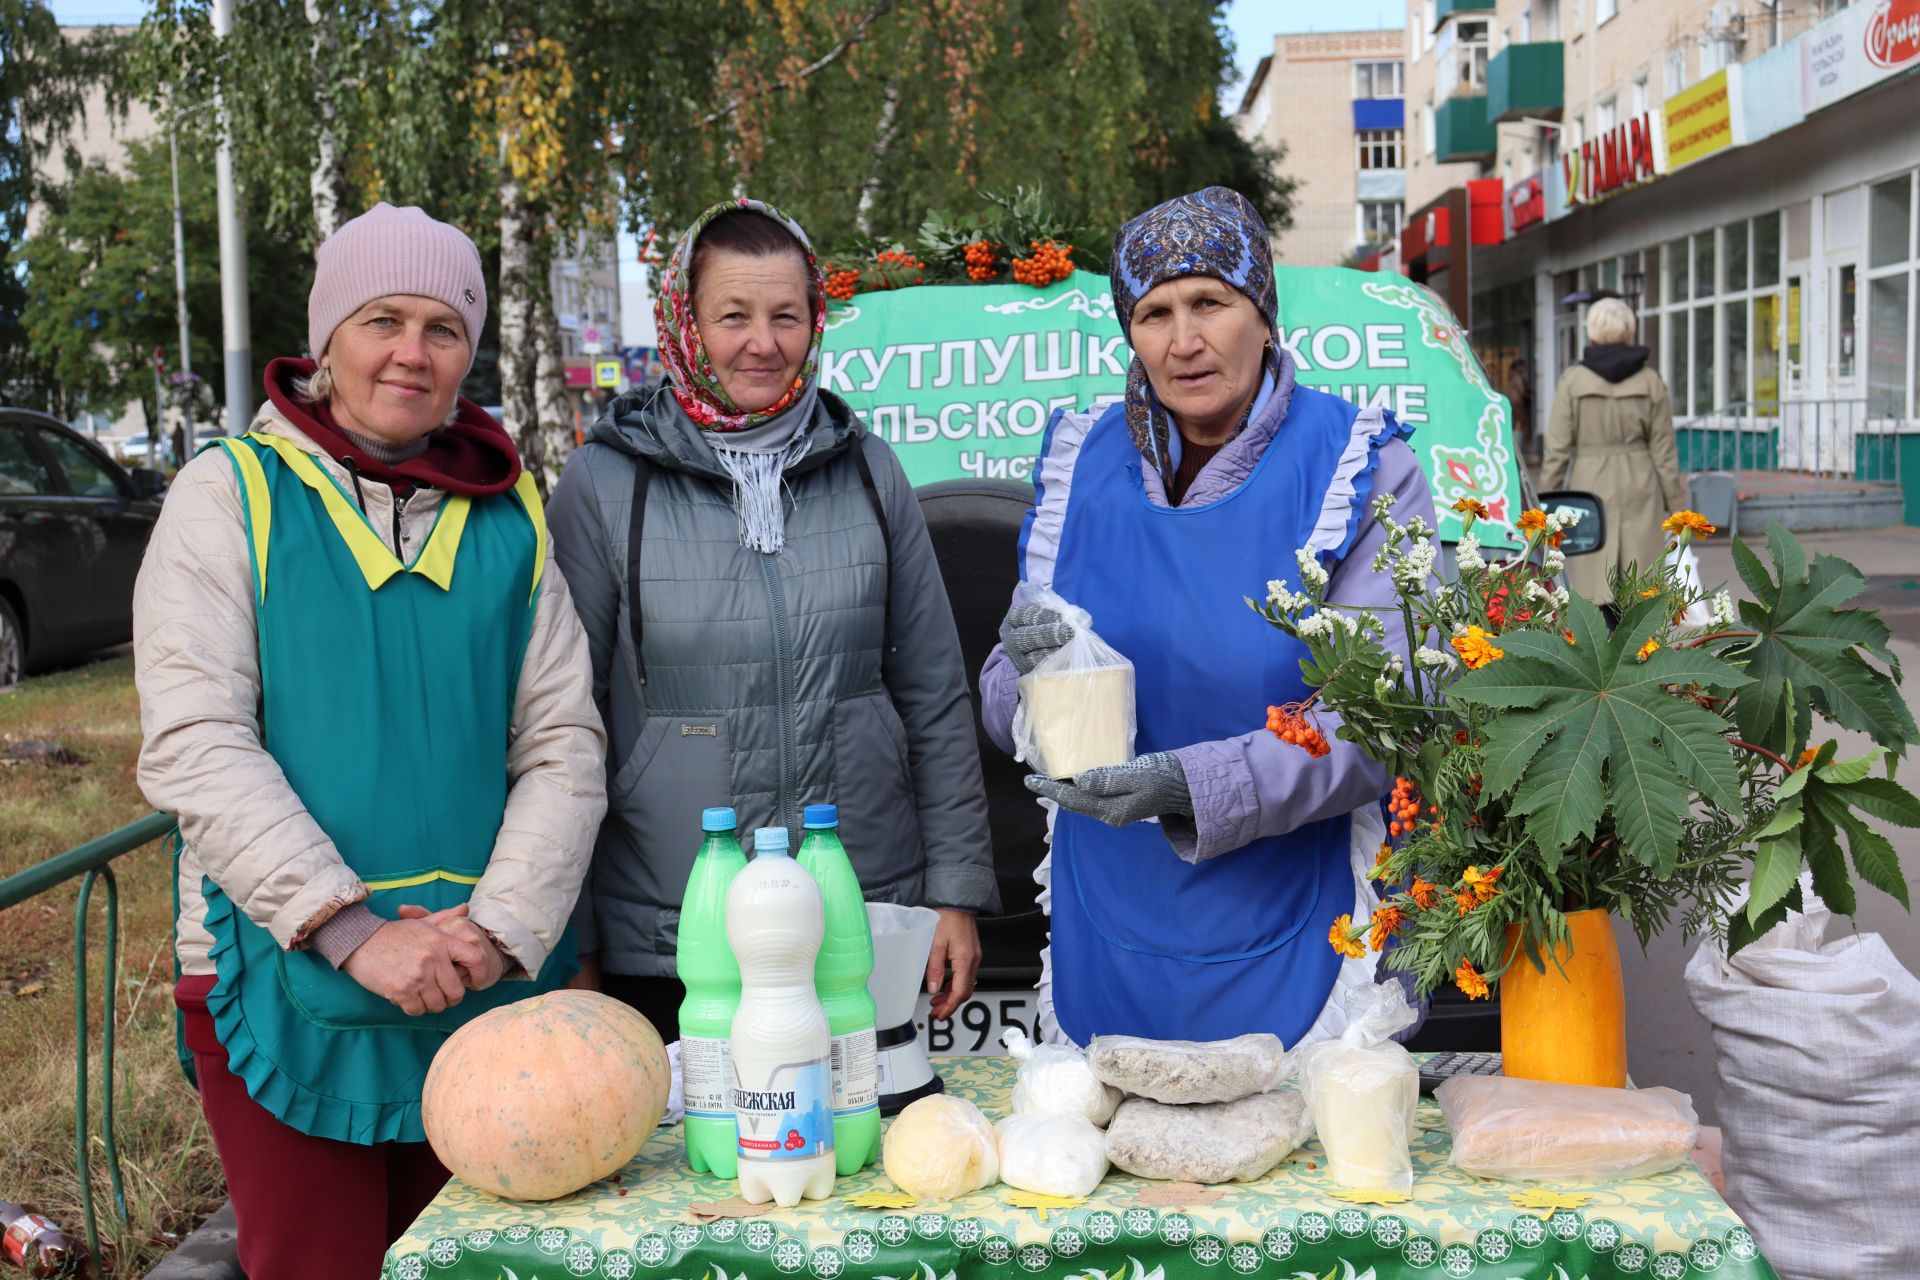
column 1362, row 1090
column 1057, row 1155
column 1055, row 1080
column 1076, row 705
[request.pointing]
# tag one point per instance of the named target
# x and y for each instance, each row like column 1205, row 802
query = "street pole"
column 180, row 283
column 236, row 323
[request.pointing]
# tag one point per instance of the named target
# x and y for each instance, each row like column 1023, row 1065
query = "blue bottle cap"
column 718, row 820
column 816, row 816
column 770, row 840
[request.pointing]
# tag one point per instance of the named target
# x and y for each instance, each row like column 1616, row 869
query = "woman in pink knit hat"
column 365, row 692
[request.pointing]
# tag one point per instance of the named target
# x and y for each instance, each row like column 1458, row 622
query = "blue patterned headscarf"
column 1215, row 232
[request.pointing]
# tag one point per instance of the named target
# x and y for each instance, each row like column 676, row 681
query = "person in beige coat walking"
column 365, row 694
column 1611, row 434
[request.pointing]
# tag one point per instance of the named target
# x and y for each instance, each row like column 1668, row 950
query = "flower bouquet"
column 1550, row 756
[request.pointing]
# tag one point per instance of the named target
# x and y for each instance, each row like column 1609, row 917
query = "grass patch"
column 171, row 1171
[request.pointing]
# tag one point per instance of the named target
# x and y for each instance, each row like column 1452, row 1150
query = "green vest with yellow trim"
column 387, row 694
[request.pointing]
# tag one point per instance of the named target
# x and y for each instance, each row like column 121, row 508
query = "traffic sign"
column 606, row 373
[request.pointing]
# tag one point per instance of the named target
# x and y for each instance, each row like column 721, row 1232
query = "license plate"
column 974, row 1030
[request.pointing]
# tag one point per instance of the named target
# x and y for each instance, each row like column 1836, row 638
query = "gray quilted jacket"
column 768, row 683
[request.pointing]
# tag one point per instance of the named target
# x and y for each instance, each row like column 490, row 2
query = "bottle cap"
column 816, row 816
column 718, row 820
column 770, row 840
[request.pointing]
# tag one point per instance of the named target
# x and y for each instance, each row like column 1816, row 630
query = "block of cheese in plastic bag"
column 1539, row 1131
column 1076, row 708
column 1362, row 1090
column 1189, row 1070
column 1054, row 1155
column 1209, row 1141
column 940, row 1148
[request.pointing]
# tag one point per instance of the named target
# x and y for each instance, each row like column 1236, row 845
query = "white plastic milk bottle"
column 783, row 1073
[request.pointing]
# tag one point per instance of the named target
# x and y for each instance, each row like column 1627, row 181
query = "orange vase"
column 1568, row 1026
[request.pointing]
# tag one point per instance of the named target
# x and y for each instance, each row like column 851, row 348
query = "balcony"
column 1525, row 80
column 1448, row 8
column 1462, row 130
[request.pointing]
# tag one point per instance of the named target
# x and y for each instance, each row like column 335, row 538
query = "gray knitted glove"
column 1030, row 632
column 1150, row 787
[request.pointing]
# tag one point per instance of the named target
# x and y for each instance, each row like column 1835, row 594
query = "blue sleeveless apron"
column 1143, row 943
column 401, row 759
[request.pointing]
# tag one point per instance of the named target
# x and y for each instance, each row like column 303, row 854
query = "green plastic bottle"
column 704, row 960
column 840, row 978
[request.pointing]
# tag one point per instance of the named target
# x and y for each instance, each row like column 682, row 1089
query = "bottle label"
column 856, row 1072
column 791, row 1116
column 706, row 1075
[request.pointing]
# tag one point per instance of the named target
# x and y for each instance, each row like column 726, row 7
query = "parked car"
column 73, row 526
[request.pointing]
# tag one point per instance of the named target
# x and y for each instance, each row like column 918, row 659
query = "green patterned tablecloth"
column 1286, row 1225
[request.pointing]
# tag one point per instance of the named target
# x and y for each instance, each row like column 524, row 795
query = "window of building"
column 1379, row 221
column 1676, row 71
column 1429, row 141
column 1605, row 116
column 1640, row 96
column 1603, row 10
column 1893, row 381
column 1718, row 334
column 1379, row 80
column 1380, row 148
column 1461, row 60
column 1547, row 25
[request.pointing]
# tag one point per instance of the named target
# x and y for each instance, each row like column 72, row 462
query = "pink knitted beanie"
column 386, row 251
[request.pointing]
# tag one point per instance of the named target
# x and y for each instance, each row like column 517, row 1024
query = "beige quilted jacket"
column 196, row 662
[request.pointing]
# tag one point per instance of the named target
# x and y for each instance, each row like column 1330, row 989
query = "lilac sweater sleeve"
column 999, row 692
column 1252, row 786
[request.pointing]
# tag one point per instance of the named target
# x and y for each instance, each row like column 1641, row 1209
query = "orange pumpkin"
column 536, row 1099
column 1567, row 1023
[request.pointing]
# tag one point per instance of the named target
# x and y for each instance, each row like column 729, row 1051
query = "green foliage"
column 102, row 296
column 44, row 78
column 1554, row 760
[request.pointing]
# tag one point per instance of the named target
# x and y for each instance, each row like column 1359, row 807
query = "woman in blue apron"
column 1191, row 889
column 366, row 696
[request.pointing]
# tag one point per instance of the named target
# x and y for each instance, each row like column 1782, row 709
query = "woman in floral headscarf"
column 1208, row 866
column 768, row 624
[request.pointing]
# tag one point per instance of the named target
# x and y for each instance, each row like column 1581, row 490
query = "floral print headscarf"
column 1216, row 232
column 695, row 385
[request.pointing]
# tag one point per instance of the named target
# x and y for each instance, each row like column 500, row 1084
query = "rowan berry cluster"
column 1050, row 262
column 983, row 260
column 1404, row 805
column 842, row 284
column 1290, row 726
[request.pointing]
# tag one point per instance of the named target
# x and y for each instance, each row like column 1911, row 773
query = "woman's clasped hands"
column 426, row 961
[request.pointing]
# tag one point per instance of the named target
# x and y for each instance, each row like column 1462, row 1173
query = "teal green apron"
column 387, row 694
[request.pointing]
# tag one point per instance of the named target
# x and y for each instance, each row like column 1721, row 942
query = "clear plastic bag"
column 1538, row 1131
column 940, row 1148
column 1362, row 1090
column 1208, row 1141
column 1054, row 1155
column 1076, row 705
column 1055, row 1080
column 1183, row 1071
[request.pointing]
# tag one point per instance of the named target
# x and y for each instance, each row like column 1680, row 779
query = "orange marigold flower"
column 1646, row 650
column 1476, row 648
column 1424, row 894
column 1482, row 882
column 1345, row 938
column 1468, row 979
column 1568, row 637
column 1466, row 900
column 1533, row 520
column 1806, row 758
column 1650, row 593
column 1379, row 871
column 1471, row 507
column 1386, row 921
column 1688, row 522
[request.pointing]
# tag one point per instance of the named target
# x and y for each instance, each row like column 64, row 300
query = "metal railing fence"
column 1828, row 443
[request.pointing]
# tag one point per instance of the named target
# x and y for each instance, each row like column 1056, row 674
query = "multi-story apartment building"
column 1741, row 171
column 1335, row 101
